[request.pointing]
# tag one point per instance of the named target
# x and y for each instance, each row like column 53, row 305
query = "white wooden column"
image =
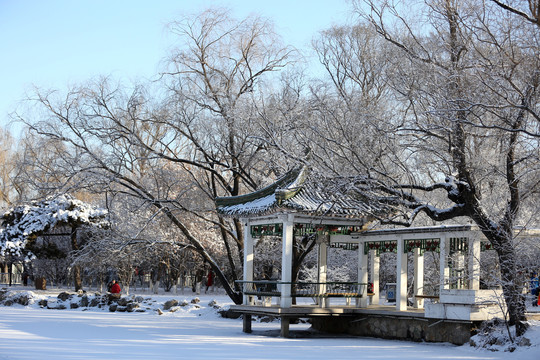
column 322, row 260
column 362, row 275
column 286, row 260
column 375, row 270
column 460, row 265
column 474, row 261
column 443, row 267
column 401, row 276
column 418, row 277
column 248, row 258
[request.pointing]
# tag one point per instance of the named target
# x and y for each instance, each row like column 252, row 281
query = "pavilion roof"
column 297, row 192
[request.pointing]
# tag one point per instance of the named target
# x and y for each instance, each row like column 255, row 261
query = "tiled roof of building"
column 297, row 192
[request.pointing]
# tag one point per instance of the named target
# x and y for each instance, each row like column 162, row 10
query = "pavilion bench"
column 319, row 291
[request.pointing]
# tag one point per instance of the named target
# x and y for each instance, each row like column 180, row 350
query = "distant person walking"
column 209, row 280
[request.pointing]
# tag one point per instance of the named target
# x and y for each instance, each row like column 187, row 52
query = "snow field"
column 197, row 331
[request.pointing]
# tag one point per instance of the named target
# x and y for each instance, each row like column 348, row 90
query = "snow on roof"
column 259, row 205
column 297, row 192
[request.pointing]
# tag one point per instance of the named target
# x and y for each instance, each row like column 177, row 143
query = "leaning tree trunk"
column 235, row 296
column 502, row 238
column 76, row 269
column 511, row 283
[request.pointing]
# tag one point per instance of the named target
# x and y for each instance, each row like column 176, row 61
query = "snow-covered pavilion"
column 296, row 205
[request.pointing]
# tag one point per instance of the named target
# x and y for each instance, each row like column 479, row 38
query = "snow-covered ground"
column 196, row 331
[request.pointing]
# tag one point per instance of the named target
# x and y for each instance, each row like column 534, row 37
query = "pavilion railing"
column 260, row 287
column 305, row 289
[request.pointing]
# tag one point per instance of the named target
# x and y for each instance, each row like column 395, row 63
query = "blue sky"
column 55, row 43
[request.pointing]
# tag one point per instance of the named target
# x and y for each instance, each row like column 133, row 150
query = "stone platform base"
column 402, row 328
column 375, row 321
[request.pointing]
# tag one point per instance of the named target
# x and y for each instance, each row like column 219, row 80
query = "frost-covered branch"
column 28, row 221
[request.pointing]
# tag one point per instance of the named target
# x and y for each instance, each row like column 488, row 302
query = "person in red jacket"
column 115, row 288
column 209, row 280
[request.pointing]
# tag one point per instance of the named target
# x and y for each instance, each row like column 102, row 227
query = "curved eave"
column 300, row 203
column 227, row 201
column 261, row 201
column 253, row 212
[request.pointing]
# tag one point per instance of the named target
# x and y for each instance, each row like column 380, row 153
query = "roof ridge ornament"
column 290, row 190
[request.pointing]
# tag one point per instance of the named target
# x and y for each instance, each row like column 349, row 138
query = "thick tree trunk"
column 77, row 277
column 10, row 274
column 511, row 283
column 224, row 236
column 512, row 290
column 76, row 269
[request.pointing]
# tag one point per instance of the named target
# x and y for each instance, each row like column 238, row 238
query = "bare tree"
column 6, row 167
column 12, row 187
column 465, row 86
column 176, row 154
column 445, row 130
column 219, row 76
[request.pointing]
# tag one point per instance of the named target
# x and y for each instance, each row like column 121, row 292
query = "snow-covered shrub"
column 496, row 335
column 24, row 298
column 214, row 304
